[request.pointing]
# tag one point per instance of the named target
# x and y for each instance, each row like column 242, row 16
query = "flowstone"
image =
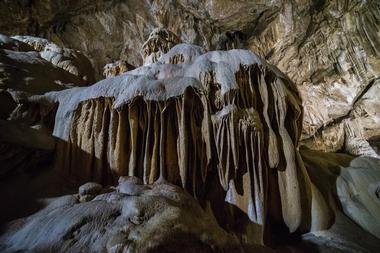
column 188, row 117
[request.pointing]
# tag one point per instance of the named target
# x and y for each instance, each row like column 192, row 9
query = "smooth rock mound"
column 163, row 218
column 358, row 189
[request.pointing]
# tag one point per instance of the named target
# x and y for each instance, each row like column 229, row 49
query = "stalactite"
column 241, row 123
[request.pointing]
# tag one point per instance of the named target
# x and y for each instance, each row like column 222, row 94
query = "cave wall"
column 328, row 48
column 247, row 138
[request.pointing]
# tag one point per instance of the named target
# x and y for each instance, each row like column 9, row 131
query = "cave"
column 190, row 126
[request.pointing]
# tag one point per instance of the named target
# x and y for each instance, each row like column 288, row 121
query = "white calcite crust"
column 158, row 81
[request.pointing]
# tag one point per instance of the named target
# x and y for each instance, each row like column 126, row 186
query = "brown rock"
column 116, row 68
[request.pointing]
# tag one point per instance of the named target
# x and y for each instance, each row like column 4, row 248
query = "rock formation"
column 30, row 66
column 116, row 68
column 332, row 55
column 187, row 117
column 329, row 49
column 350, row 187
column 358, row 189
column 241, row 137
column 37, row 72
column 159, row 218
column 160, row 41
column 70, row 60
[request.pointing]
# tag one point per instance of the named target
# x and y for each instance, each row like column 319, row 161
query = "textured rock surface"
column 160, row 41
column 116, row 68
column 223, row 125
column 36, row 66
column 70, row 60
column 330, row 49
column 331, row 53
column 224, row 113
column 30, row 65
column 162, row 218
column 25, row 136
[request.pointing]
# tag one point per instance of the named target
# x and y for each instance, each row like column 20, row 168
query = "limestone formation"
column 358, row 191
column 187, row 117
column 116, row 68
column 88, row 191
column 25, row 137
column 13, row 44
column 29, row 66
column 350, row 186
column 329, row 49
column 335, row 63
column 245, row 140
column 70, row 60
column 160, row 41
column 353, row 131
column 40, row 66
column 162, row 218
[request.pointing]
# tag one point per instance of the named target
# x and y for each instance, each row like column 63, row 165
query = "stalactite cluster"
column 246, row 133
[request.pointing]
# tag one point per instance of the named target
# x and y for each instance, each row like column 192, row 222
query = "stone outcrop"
column 353, row 131
column 350, row 186
column 161, row 218
column 331, row 52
